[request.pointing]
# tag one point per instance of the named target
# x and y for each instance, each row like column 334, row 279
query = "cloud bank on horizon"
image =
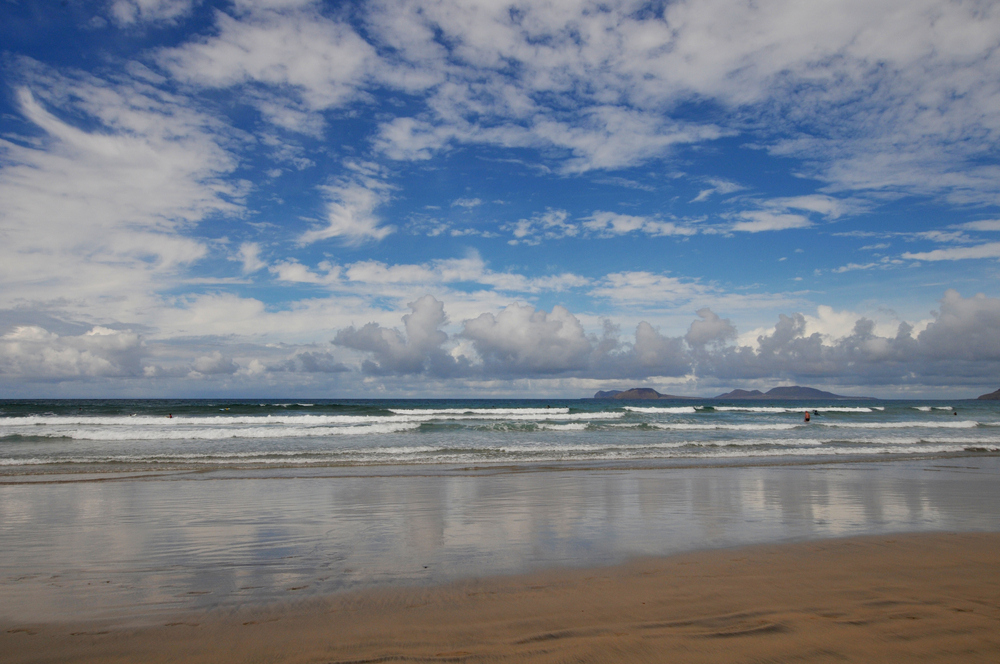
column 444, row 197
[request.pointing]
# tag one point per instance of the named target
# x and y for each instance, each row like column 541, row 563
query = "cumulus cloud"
column 961, row 343
column 35, row 353
column 711, row 329
column 310, row 361
column 216, row 363
column 416, row 351
column 964, row 329
column 521, row 339
column 654, row 354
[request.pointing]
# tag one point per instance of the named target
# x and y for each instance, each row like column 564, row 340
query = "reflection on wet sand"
column 139, row 546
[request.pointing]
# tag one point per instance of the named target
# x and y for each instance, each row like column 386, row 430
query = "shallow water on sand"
column 120, row 547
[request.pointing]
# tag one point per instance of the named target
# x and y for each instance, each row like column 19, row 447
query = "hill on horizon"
column 636, row 393
column 786, row 392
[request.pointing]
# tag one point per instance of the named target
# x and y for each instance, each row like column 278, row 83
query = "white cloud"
column 309, row 361
column 249, row 255
column 403, row 279
column 759, row 221
column 881, row 91
column 216, row 363
column 718, row 186
column 35, row 353
column 521, row 339
column 607, row 224
column 467, row 203
column 548, row 225
column 988, row 250
column 827, row 206
column 294, row 272
column 884, row 263
column 960, row 343
column 875, row 97
column 88, row 213
column 416, row 351
column 350, row 209
column 647, row 287
column 987, row 225
column 710, row 329
column 130, row 12
column 321, row 61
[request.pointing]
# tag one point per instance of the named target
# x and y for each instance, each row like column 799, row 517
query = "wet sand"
column 93, row 550
column 918, row 597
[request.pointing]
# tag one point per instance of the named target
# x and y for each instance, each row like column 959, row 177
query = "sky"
column 453, row 198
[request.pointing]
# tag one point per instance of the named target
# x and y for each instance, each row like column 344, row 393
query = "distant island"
column 992, row 396
column 636, row 393
column 789, row 392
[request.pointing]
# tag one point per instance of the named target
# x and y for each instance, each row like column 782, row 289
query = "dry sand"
column 918, row 598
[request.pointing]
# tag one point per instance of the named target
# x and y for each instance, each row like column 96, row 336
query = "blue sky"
column 450, row 197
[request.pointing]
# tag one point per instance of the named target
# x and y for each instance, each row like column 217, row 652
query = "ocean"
column 70, row 436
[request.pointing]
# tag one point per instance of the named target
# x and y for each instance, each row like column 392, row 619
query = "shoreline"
column 935, row 596
column 15, row 475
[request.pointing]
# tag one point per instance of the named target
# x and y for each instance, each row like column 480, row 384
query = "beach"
column 928, row 597
column 686, row 532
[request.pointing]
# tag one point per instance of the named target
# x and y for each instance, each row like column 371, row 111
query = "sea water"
column 130, row 436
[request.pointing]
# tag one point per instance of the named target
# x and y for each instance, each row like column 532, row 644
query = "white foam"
column 690, row 426
column 478, row 411
column 226, row 433
column 572, row 426
column 783, row 409
column 962, row 424
column 534, row 414
column 656, row 411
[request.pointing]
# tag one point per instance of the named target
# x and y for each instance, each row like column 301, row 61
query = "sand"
column 923, row 597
